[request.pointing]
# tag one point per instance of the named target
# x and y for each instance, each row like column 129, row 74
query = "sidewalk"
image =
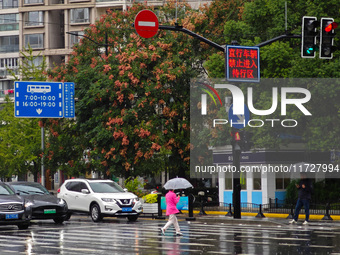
column 273, row 219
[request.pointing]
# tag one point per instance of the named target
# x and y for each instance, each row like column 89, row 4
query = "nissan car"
column 100, row 198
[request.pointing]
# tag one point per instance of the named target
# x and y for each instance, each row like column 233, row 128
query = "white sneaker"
column 305, row 223
column 292, row 222
column 179, row 234
column 162, row 231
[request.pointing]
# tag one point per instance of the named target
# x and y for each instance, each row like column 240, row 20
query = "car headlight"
column 136, row 199
column 109, row 200
column 28, row 204
column 61, row 201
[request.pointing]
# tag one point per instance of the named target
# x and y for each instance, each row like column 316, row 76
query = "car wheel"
column 68, row 216
column 58, row 220
column 23, row 226
column 95, row 213
column 132, row 218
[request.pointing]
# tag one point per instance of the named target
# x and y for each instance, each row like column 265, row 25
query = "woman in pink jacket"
column 171, row 210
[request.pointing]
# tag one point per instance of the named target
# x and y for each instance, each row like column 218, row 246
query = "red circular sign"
column 146, row 24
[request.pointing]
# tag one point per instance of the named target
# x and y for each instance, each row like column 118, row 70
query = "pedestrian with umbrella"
column 171, row 201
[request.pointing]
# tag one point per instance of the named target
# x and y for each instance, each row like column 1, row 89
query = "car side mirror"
column 126, row 190
column 85, row 191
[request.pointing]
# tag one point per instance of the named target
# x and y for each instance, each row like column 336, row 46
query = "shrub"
column 150, row 198
column 134, row 185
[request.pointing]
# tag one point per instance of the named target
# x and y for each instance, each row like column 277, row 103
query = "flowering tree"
column 133, row 103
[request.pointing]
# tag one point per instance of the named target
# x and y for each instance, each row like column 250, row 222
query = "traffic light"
column 308, row 44
column 241, row 140
column 327, row 38
column 236, row 139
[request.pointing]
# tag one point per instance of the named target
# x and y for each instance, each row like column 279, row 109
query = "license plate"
column 127, row 209
column 12, row 216
column 49, row 211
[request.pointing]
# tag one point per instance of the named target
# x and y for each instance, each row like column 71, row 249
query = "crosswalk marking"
column 143, row 237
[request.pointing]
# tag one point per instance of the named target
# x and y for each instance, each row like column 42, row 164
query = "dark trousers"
column 299, row 204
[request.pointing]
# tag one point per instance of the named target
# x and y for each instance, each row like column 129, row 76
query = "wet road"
column 117, row 236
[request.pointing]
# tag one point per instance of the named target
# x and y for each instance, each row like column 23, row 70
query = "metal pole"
column 42, row 158
column 236, row 182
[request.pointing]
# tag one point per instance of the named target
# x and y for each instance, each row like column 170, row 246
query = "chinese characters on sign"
column 69, row 109
column 35, row 99
column 243, row 63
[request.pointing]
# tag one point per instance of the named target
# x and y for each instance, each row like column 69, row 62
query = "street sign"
column 69, row 109
column 38, row 99
column 146, row 23
column 239, row 121
column 243, row 63
column 34, row 99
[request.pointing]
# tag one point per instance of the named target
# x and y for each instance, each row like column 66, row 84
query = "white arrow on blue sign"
column 35, row 99
column 239, row 121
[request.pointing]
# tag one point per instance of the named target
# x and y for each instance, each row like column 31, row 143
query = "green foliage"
column 134, row 185
column 150, row 198
column 216, row 65
column 291, row 192
column 20, row 138
column 19, row 142
column 326, row 191
column 261, row 20
column 28, row 70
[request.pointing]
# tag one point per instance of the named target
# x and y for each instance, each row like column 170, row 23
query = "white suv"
column 99, row 198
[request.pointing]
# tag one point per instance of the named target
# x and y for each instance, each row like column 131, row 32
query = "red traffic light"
column 236, row 136
column 331, row 26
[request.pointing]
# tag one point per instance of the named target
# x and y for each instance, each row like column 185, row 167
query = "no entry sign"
column 146, row 24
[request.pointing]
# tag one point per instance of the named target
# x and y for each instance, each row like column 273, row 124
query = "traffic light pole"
column 221, row 47
column 235, row 146
column 201, row 38
column 236, row 181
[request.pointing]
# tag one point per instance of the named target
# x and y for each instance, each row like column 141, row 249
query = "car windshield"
column 30, row 189
column 5, row 190
column 105, row 187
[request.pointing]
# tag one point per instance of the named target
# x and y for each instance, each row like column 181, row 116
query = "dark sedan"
column 45, row 205
column 14, row 210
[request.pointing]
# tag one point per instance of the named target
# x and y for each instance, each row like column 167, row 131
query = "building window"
column 81, row 15
column 6, row 88
column 34, row 19
column 36, row 62
column 257, row 181
column 8, row 4
column 229, row 181
column 9, row 22
column 34, row 1
column 8, row 63
column 75, row 38
column 9, row 43
column 36, row 41
column 282, row 180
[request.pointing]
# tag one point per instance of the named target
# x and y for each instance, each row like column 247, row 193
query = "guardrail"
column 275, row 206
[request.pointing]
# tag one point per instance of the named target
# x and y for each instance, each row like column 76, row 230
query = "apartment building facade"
column 46, row 26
